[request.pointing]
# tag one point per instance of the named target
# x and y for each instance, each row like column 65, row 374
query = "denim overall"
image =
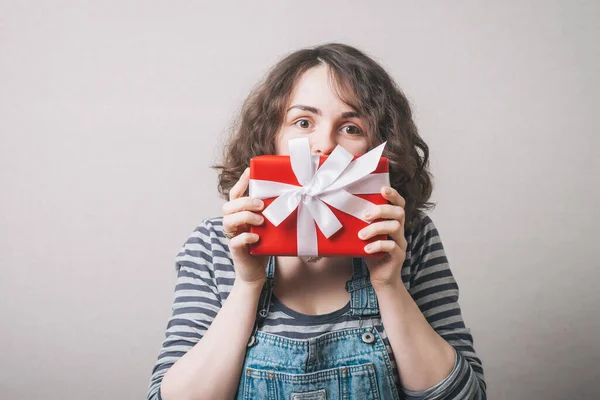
column 344, row 364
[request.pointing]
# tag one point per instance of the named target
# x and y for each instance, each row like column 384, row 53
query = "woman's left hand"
column 385, row 271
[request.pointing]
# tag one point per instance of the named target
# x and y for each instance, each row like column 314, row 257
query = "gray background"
column 112, row 112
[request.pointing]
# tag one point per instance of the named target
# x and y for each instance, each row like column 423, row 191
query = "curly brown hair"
column 364, row 85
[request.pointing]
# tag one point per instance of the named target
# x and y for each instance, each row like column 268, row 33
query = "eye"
column 352, row 130
column 302, row 123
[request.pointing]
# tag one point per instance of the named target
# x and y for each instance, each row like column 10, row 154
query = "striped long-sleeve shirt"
column 205, row 277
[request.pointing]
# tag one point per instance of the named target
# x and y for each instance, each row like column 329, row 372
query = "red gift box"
column 282, row 239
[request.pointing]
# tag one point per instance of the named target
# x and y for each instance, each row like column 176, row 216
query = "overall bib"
column 344, row 364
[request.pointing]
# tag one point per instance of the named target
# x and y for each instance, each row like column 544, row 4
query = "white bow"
column 334, row 183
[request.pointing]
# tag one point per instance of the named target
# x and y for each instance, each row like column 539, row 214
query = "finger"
column 392, row 195
column 238, row 245
column 382, row 246
column 392, row 227
column 242, row 204
column 240, row 186
column 386, row 211
column 232, row 222
column 388, row 227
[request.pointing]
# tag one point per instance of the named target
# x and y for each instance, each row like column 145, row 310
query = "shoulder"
column 205, row 246
column 208, row 233
column 425, row 230
column 425, row 251
column 211, row 227
column 204, row 266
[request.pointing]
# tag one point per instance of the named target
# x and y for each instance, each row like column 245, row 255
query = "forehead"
column 318, row 87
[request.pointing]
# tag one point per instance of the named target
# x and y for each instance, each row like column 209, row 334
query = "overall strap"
column 264, row 301
column 363, row 300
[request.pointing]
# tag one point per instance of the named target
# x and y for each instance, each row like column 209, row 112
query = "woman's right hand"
column 238, row 214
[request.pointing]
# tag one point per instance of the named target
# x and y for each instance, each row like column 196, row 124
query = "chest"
column 310, row 298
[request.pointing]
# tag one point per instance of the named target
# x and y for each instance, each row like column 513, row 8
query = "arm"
column 432, row 346
column 206, row 337
column 423, row 357
column 211, row 369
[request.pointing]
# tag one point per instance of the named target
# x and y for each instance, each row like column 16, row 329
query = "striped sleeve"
column 435, row 291
column 196, row 302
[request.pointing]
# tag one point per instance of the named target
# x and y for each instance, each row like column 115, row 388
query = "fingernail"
column 368, row 248
column 361, row 235
column 387, row 190
column 368, row 214
column 258, row 218
column 257, row 202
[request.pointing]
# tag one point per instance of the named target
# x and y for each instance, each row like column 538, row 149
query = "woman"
column 251, row 327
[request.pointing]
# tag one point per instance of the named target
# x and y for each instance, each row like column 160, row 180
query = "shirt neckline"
column 320, row 318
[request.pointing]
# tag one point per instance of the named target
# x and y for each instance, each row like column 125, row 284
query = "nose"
column 323, row 142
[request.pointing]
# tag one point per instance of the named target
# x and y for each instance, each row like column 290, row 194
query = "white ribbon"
column 334, row 183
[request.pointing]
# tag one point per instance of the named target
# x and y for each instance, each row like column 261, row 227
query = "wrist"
column 393, row 286
column 249, row 286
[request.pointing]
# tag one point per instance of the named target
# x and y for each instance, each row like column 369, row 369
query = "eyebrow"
column 306, row 108
column 348, row 114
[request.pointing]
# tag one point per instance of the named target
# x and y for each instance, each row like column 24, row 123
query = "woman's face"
column 315, row 111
